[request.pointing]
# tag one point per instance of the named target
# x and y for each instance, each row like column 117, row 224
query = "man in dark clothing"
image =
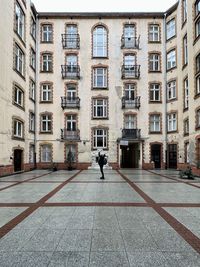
column 101, row 162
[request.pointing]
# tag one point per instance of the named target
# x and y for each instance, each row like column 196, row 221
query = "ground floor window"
column 100, row 138
column 46, row 153
column 71, row 152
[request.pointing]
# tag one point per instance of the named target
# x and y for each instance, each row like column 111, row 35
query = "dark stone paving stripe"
column 24, row 181
column 180, row 205
column 175, row 179
column 15, row 205
column 11, row 224
column 91, row 182
column 184, row 232
column 91, row 204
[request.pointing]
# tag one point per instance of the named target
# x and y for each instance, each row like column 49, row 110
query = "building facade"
column 74, row 84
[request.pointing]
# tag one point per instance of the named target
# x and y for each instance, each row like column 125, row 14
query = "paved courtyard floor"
column 72, row 218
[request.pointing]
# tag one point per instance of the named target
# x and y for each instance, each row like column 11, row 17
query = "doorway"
column 172, row 156
column 18, row 153
column 130, row 156
column 156, row 155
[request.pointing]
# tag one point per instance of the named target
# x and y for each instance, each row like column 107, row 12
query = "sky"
column 103, row 5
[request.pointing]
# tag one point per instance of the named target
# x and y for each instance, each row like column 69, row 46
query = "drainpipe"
column 165, row 87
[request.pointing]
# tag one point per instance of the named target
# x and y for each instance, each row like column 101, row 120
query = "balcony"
column 70, row 41
column 70, row 135
column 130, row 42
column 131, row 133
column 70, row 71
column 130, row 71
column 67, row 102
column 131, row 103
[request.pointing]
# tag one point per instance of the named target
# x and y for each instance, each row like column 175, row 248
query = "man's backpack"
column 104, row 161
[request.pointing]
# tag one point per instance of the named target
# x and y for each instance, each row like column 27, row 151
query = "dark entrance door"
column 18, row 160
column 172, row 156
column 130, row 156
column 156, row 155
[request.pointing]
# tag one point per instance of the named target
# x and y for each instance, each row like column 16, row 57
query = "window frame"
column 20, row 21
column 46, row 123
column 47, row 34
column 172, row 122
column 153, row 33
column 97, row 136
column 99, row 108
column 154, row 63
column 172, row 89
column 47, row 63
column 47, row 153
column 17, row 92
column 170, row 29
column 186, row 93
column 18, row 128
column 104, row 77
column 19, row 62
column 102, row 45
column 31, row 121
column 46, row 89
column 170, row 56
column 153, row 91
column 154, row 120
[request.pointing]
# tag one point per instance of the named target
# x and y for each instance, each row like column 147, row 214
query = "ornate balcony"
column 67, row 102
column 130, row 71
column 130, row 42
column 70, row 71
column 131, row 133
column 70, row 135
column 131, row 103
column 70, row 41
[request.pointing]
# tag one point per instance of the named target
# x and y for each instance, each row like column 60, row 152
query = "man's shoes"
column 102, row 178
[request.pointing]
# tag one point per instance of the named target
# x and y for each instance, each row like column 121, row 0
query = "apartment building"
column 78, row 83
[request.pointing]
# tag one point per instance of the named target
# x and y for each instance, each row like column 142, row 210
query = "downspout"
column 165, row 90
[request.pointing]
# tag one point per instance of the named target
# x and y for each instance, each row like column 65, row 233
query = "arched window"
column 100, row 42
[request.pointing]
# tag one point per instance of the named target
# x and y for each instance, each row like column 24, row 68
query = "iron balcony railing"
column 70, row 135
column 131, row 133
column 130, row 71
column 67, row 102
column 70, row 41
column 131, row 103
column 130, row 42
column 70, row 71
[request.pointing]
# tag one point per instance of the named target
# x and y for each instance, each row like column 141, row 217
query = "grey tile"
column 108, row 259
column 183, row 259
column 33, row 259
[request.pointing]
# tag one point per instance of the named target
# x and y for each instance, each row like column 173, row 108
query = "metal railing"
column 131, row 133
column 70, row 71
column 70, row 41
column 70, row 135
column 130, row 42
column 67, row 102
column 130, row 71
column 131, row 103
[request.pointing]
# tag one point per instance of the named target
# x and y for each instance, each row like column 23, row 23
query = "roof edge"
column 172, row 9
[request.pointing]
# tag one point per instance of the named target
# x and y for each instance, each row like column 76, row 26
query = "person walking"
column 101, row 162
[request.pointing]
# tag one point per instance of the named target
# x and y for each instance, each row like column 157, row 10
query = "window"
column 46, row 93
column 47, row 63
column 129, row 39
column 32, row 90
column 129, row 91
column 47, row 33
column 19, row 21
column 46, row 123
column 46, row 153
column 197, row 28
column 18, row 96
column 184, row 10
column 186, row 94
column 155, row 123
column 154, row 33
column 33, row 28
column 71, row 91
column 31, row 121
column 171, row 29
column 197, row 7
column 19, row 60
column 18, row 128
column 185, row 50
column 72, row 65
column 100, row 137
column 31, row 154
column 172, row 122
column 198, row 64
column 130, row 121
column 72, row 36
column 154, row 92
column 198, row 118
column 130, row 69
column 154, row 62
column 32, row 59
column 100, row 78
column 171, row 90
column 100, row 42
column 171, row 59
column 72, row 149
column 100, row 108
column 71, row 122
column 186, row 145
column 186, row 126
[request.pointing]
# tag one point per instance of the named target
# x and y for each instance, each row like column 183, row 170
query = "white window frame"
column 18, row 96
column 32, row 89
column 130, row 121
column 103, row 76
column 19, row 60
column 46, row 123
column 198, row 84
column 198, row 118
column 197, row 7
column 47, row 33
column 47, row 62
column 185, row 50
column 184, row 3
column 33, row 59
column 172, row 122
column 186, row 126
column 171, row 59
column 100, row 108
column 46, row 153
column 100, row 40
column 72, row 148
column 31, row 153
column 186, row 94
column 154, row 62
column 171, row 28
column 130, row 91
column 100, row 134
column 20, row 21
column 46, row 93
column 33, row 28
column 154, row 92
column 197, row 28
column 155, row 121
column 18, row 128
column 71, row 122
column 154, row 33
column 31, row 121
column 171, row 90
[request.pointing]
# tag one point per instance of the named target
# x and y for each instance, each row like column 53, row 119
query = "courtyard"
column 72, row 218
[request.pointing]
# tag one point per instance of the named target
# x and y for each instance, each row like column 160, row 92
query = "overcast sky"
column 103, row 5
